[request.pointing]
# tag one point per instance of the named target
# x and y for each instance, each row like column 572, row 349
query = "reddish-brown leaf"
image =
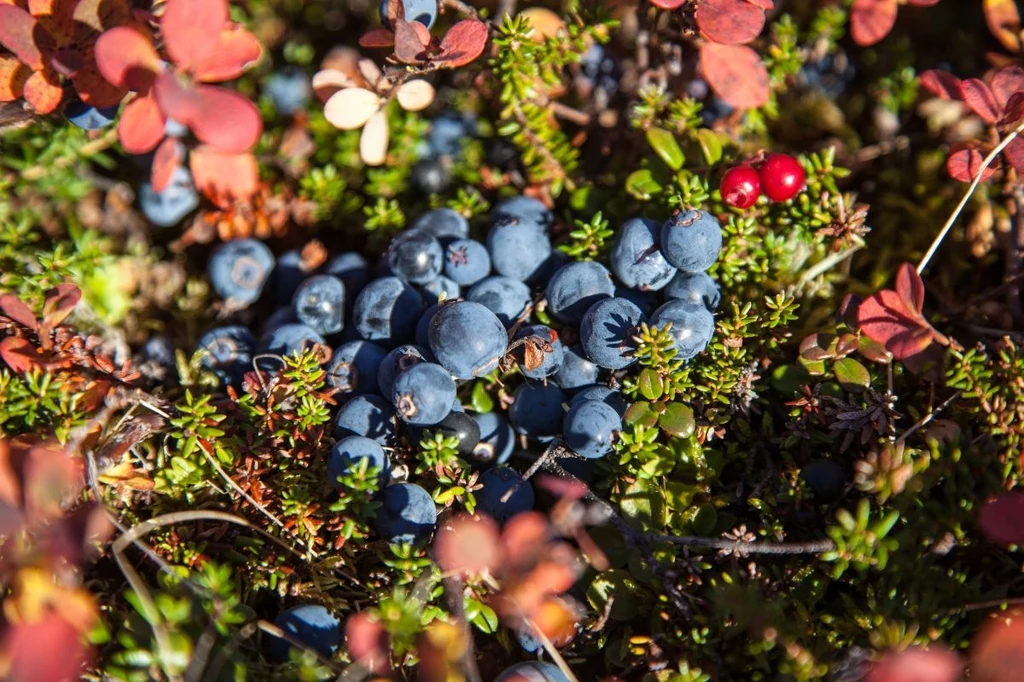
column 92, row 87
column 218, row 117
column 942, row 84
column 377, row 37
column 871, row 20
column 997, row 653
column 1001, row 519
column 191, row 30
column 910, row 288
column 29, row 649
column 1004, row 22
column 166, row 160
column 16, row 309
column 922, row 3
column 1014, row 154
column 126, row 57
column 395, row 10
column 668, row 4
column 730, row 22
column 1013, row 112
column 917, row 665
column 408, row 46
column 43, row 91
column 736, row 73
column 13, row 75
column 59, row 303
column 20, row 355
column 18, row 33
column 464, row 42
column 980, row 98
column 223, row 177
column 886, row 319
column 1006, row 83
column 51, row 476
column 965, row 161
column 237, row 49
column 141, row 126
column 763, row 4
column 367, row 642
column 467, row 545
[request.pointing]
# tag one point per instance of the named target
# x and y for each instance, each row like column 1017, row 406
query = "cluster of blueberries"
column 442, row 309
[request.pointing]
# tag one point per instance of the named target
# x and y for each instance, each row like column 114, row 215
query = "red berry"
column 740, row 187
column 782, row 177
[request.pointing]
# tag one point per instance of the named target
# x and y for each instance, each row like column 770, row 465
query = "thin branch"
column 454, row 589
column 813, row 547
column 930, row 416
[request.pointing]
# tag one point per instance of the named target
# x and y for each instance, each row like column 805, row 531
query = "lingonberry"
column 782, row 177
column 740, row 187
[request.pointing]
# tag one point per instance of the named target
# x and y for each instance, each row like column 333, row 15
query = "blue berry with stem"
column 440, row 289
column 239, row 269
column 607, row 331
column 518, row 247
column 590, row 427
column 415, row 257
column 577, row 286
column 576, row 370
column 635, row 258
column 386, row 311
column 176, row 201
column 696, row 287
column 524, row 208
column 229, row 352
column 467, row 339
column 407, row 514
column 348, row 454
column 89, row 117
column 423, row 394
column 397, row 361
column 466, row 262
column 312, row 625
column 691, row 240
column 319, row 302
column 497, row 440
column 354, row 365
column 503, row 494
column 506, row 297
column 367, row 415
column 536, row 410
column 693, row 325
column 540, row 354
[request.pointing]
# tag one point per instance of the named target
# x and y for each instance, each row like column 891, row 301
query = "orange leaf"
column 43, row 91
column 28, row 649
column 217, row 116
column 467, row 544
column 191, row 30
column 917, row 665
column 20, row 355
column 464, row 42
column 1001, row 519
column 18, row 31
column 237, row 48
column 1003, row 21
column 223, row 176
column 13, row 75
column 736, row 73
column 871, row 20
column 142, row 125
column 167, row 159
column 731, row 22
column 125, row 57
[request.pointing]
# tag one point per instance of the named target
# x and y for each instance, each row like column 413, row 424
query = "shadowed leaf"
column 942, row 84
column 18, row 31
column 60, row 301
column 736, row 73
column 43, row 91
column 13, row 75
column 731, row 22
column 126, row 58
column 377, row 37
column 871, row 20
column 408, row 46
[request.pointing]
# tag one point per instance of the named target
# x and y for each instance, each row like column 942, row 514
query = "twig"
column 814, row 547
column 827, row 263
column 462, row 8
column 454, row 588
column 928, row 417
column 970, row 191
column 990, row 604
column 551, row 650
column 1013, row 258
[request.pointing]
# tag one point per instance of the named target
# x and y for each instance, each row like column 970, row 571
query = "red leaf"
column 395, row 10
column 168, row 157
column 20, row 355
column 60, row 301
column 237, row 48
column 1013, row 112
column 763, row 4
column 18, row 33
column 871, row 20
column 736, row 73
column 467, row 545
column 917, row 665
column 965, row 161
column 377, row 37
column 29, row 649
column 668, row 4
column 1006, row 83
column 126, row 58
column 142, row 125
column 942, row 84
column 730, row 22
column 13, row 75
column 93, row 88
column 886, row 319
column 191, row 30
column 910, row 288
column 1004, row 22
column 980, row 98
column 17, row 310
column 223, row 177
column 367, row 642
column 1001, row 519
column 43, row 91
column 464, row 42
column 218, row 117
column 408, row 46
column 996, row 651
column 1014, row 154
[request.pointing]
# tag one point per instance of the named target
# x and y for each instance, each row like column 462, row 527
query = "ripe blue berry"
column 88, row 117
column 397, row 361
column 461, row 427
column 386, row 311
column 288, row 90
column 646, row 301
column 319, row 302
column 589, row 428
column 423, row 11
column 506, row 297
column 347, row 455
column 518, row 247
column 415, row 257
column 290, row 271
column 443, row 224
column 497, row 440
column 608, row 396
column 423, row 326
column 310, row 624
column 354, row 365
column 577, row 286
column 693, row 325
column 607, row 331
column 466, row 262
column 352, row 269
column 440, row 289
column 407, row 514
column 532, row 671
column 635, row 258
column 576, row 371
column 288, row 339
column 524, row 208
column 449, row 133
column 696, row 287
column 368, row 415
column 528, row 355
column 467, row 339
column 229, row 352
column 691, row 240
column 826, row 479
column 536, row 410
column 430, row 176
column 423, row 394
column 238, row 270
column 504, row 494
column 168, row 207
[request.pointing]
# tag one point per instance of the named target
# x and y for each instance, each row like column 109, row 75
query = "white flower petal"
column 351, row 108
column 329, row 81
column 373, row 145
column 370, row 71
column 416, row 95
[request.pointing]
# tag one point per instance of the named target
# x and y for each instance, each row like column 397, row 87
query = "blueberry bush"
column 495, row 340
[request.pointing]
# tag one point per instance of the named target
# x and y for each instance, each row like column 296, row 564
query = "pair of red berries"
column 779, row 176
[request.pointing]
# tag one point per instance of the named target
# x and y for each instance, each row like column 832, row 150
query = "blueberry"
column 575, row 370
column 518, row 247
column 174, row 129
column 310, row 624
column 536, row 410
column 693, row 325
column 467, row 339
column 159, row 350
column 239, row 269
column 281, row 316
column 502, row 153
column 397, row 361
column 349, row 452
column 526, row 208
column 696, row 287
column 87, row 117
column 497, row 440
column 415, row 257
column 608, row 396
column 466, row 262
column 443, row 224
column 589, row 428
column 423, row 11
column 635, row 258
column 534, row 351
column 352, row 269
column 691, row 240
column 506, row 297
column 289, row 272
column 826, row 479
column 577, row 286
column 430, row 176
column 354, row 365
column 288, row 90
column 386, row 311
column 229, row 352
column 532, row 671
column 440, row 289
column 370, row 416
column 607, row 331
column 289, row 339
column 463, row 428
column 423, row 394
column 448, row 134
column 423, row 325
column 319, row 303
column 168, row 207
column 497, row 483
column 407, row 514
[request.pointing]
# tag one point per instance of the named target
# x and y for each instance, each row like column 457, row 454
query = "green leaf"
column 480, row 400
column 615, row 586
column 852, row 375
column 665, row 146
column 641, row 413
column 677, row 419
column 642, row 185
column 704, row 519
column 710, row 145
column 651, row 384
column 643, row 503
